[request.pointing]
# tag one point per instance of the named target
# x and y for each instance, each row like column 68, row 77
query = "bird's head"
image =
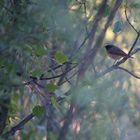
column 108, row 46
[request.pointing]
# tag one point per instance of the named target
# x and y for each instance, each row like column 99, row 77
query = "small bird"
column 115, row 52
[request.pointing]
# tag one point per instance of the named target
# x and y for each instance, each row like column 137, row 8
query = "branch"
column 17, row 127
column 129, row 20
column 64, row 75
column 90, row 54
column 138, row 32
column 131, row 73
column 53, row 77
column 114, row 68
column 138, row 35
column 97, row 19
column 34, row 79
column 129, row 53
column 135, row 51
column 91, row 34
column 70, row 78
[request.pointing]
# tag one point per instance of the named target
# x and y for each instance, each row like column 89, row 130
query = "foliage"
column 38, row 111
column 42, row 44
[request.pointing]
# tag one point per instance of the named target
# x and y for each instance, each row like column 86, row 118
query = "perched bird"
column 115, row 52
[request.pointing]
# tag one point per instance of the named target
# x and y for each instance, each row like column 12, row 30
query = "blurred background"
column 42, row 39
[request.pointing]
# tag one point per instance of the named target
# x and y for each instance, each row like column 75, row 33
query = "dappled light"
column 69, row 70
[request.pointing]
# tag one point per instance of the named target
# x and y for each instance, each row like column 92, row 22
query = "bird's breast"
column 115, row 57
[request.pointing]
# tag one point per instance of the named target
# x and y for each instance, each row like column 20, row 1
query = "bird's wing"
column 117, row 51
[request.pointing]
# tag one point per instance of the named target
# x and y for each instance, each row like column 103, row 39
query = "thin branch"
column 91, row 53
column 39, row 85
column 74, row 74
column 59, row 66
column 64, row 75
column 110, row 69
column 129, row 72
column 129, row 53
column 138, row 32
column 33, row 78
column 135, row 51
column 17, row 127
column 79, row 47
column 138, row 35
column 91, row 33
column 129, row 20
column 67, row 80
column 53, row 77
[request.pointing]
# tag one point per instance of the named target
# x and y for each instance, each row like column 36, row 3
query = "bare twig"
column 17, row 127
column 91, row 33
column 33, row 78
column 138, row 32
column 79, row 47
column 138, row 35
column 91, row 53
column 74, row 74
column 129, row 20
column 129, row 53
column 129, row 72
column 135, row 51
column 110, row 69
column 64, row 75
column 53, row 77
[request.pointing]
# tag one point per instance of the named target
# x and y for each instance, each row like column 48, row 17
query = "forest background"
column 56, row 80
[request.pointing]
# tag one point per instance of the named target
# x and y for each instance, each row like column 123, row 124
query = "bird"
column 115, row 52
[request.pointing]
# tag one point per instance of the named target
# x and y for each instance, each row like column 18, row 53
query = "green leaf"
column 118, row 26
column 60, row 57
column 54, row 102
column 37, row 73
column 9, row 67
column 52, row 136
column 40, row 51
column 51, row 87
column 107, row 10
column 5, row 129
column 38, row 111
